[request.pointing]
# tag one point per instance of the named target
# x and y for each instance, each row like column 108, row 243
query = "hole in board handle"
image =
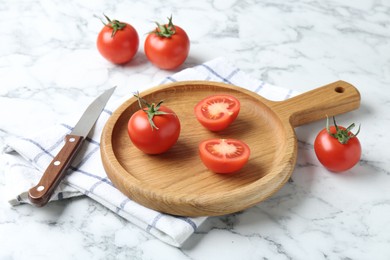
column 339, row 89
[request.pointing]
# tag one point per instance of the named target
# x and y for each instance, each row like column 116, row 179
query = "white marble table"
column 49, row 67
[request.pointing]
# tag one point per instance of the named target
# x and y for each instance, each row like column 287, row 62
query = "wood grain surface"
column 177, row 182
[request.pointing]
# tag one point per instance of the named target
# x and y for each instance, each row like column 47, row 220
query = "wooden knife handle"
column 40, row 194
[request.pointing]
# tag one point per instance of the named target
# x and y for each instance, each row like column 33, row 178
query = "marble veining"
column 50, row 68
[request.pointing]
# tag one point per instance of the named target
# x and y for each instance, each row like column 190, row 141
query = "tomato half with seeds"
column 217, row 112
column 224, row 155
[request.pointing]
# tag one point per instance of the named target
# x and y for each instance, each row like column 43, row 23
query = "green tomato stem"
column 114, row 24
column 151, row 109
column 342, row 135
column 166, row 30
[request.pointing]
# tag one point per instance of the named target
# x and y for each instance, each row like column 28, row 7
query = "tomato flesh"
column 335, row 156
column 224, row 155
column 217, row 112
column 154, row 141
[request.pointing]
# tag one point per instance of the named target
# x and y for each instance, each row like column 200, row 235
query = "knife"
column 40, row 194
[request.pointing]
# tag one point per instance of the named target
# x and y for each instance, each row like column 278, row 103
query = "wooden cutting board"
column 177, row 182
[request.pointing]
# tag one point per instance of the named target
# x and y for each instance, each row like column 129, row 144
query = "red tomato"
column 224, row 155
column 335, row 155
column 117, row 42
column 167, row 47
column 157, row 134
column 217, row 112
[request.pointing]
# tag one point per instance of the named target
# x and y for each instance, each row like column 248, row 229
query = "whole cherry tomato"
column 153, row 129
column 118, row 42
column 224, row 155
column 337, row 148
column 217, row 112
column 167, row 47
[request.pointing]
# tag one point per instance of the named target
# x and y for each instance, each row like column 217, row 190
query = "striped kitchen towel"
column 28, row 156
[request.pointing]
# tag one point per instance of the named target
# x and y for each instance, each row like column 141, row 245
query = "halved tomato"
column 217, row 112
column 224, row 155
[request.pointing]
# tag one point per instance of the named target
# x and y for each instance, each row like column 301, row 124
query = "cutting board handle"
column 330, row 100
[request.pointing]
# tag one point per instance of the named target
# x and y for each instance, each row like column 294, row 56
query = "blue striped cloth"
column 28, row 156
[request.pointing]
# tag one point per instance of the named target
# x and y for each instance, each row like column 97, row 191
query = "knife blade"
column 40, row 194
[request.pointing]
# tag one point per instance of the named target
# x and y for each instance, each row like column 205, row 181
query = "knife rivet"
column 40, row 188
column 56, row 163
column 72, row 139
